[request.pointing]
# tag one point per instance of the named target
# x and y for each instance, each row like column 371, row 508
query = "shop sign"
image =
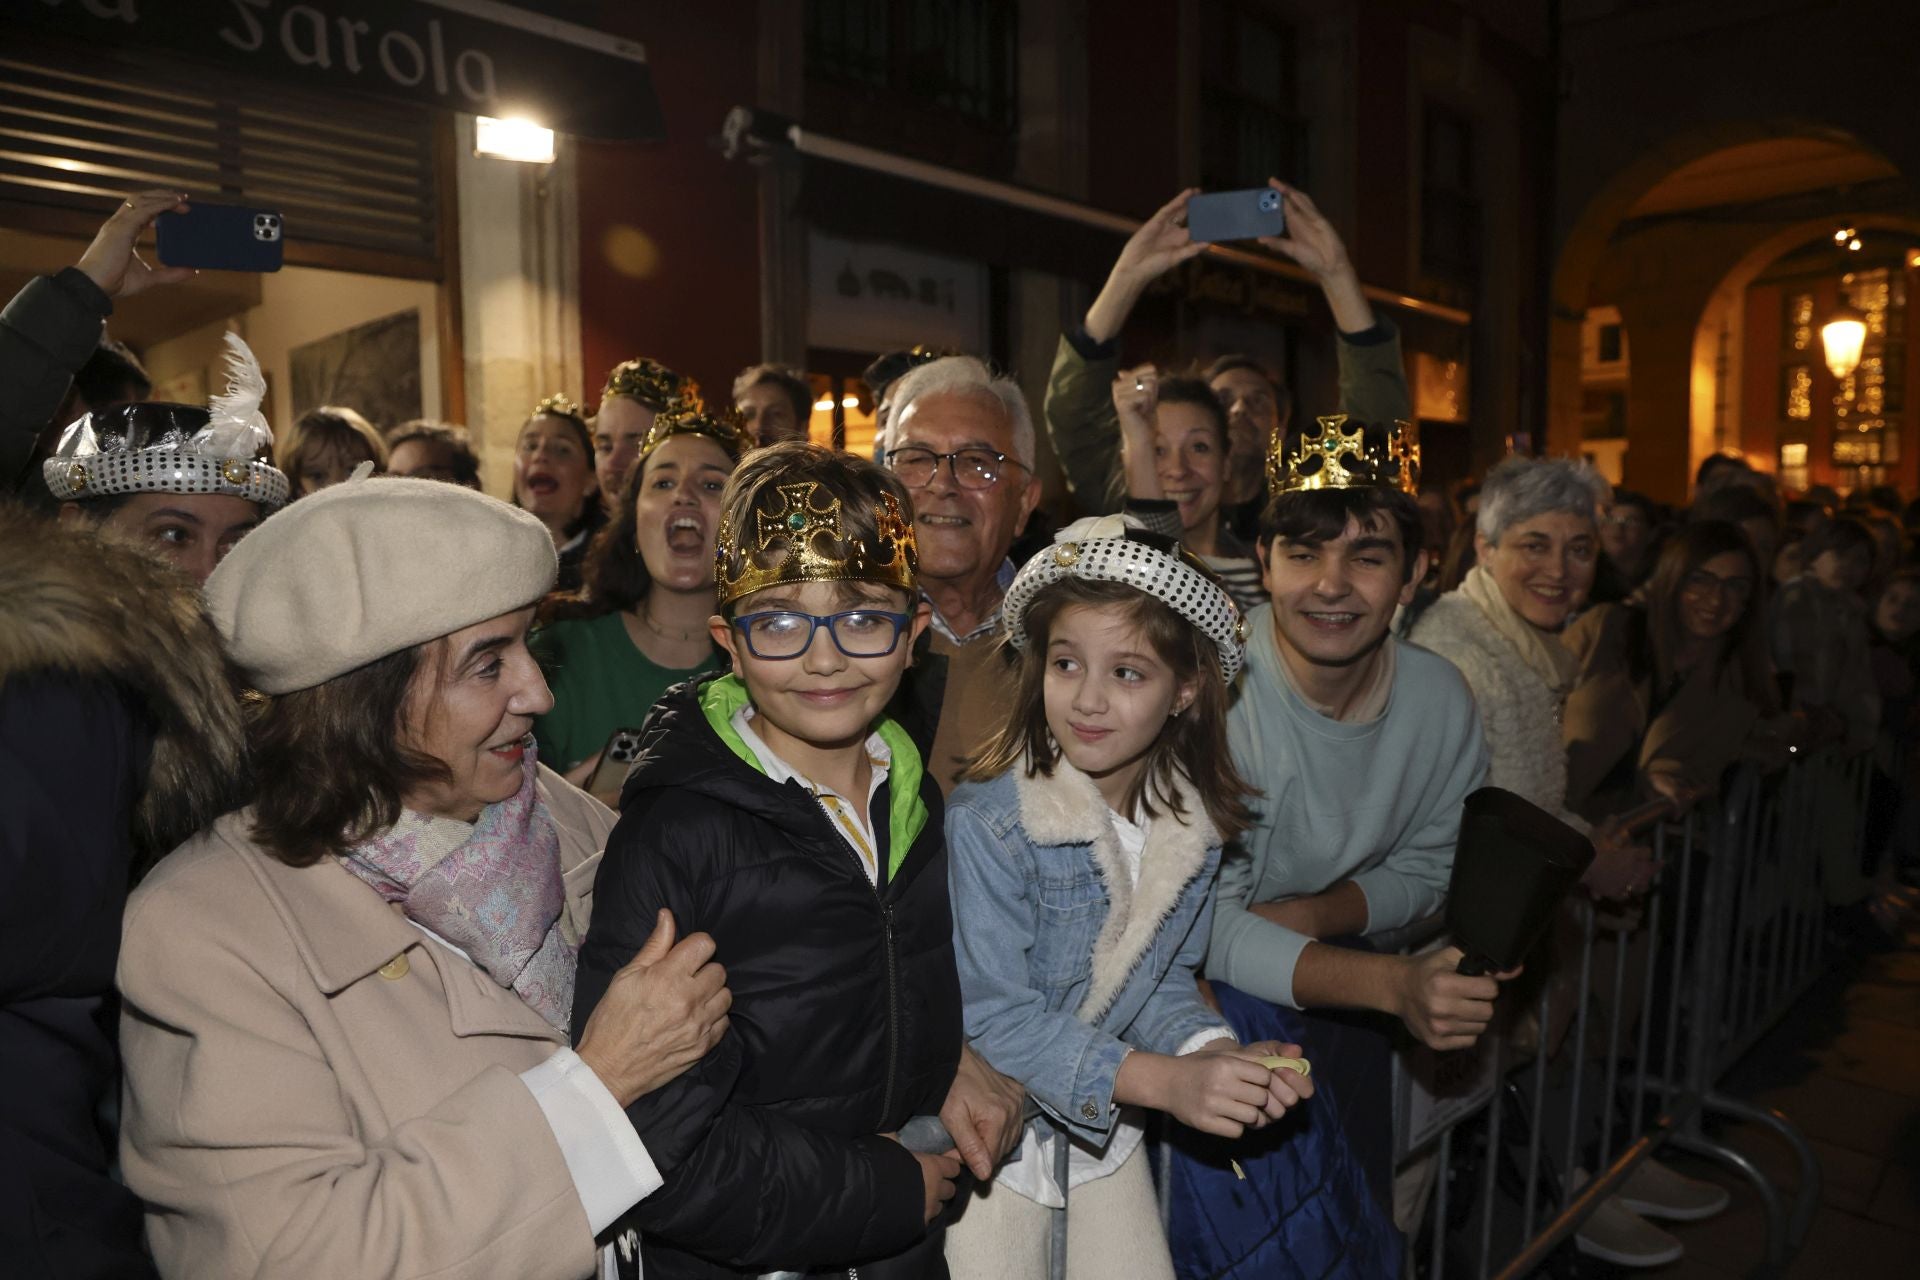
column 464, row 55
column 864, row 296
column 1240, row 289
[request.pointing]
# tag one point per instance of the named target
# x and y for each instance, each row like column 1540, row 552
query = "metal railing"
column 1643, row 1013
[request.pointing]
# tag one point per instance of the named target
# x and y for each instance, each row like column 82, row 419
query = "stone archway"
column 1666, row 276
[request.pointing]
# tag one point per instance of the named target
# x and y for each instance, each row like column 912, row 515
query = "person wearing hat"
column 1084, row 839
column 346, row 1004
column 636, row 391
column 639, row 624
column 188, row 481
column 1364, row 749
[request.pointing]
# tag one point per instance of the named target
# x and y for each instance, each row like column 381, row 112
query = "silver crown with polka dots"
column 1113, row 549
column 156, row 447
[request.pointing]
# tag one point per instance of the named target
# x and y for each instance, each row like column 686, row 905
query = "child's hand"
column 661, row 1014
column 1217, row 1091
column 1288, row 1086
column 937, row 1174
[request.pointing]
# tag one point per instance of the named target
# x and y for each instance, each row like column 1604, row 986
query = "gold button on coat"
column 395, row 969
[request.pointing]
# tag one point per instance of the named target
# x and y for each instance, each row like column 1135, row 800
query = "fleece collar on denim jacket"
column 1068, row 809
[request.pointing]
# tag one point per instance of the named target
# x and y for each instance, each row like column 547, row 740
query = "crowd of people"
column 734, row 857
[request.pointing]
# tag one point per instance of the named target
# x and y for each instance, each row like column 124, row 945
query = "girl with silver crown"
column 1083, row 846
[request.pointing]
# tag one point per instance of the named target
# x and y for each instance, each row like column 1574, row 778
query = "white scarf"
column 1541, row 651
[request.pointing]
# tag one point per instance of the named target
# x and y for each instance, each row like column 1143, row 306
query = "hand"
column 1136, row 398
column 1160, row 244
column 111, row 260
column 1288, row 1086
column 982, row 1112
column 937, row 1174
column 1217, row 1091
column 1676, row 790
column 1622, row 869
column 1311, row 240
column 1444, row 1008
column 661, row 1014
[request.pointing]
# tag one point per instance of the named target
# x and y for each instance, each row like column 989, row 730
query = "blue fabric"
column 1026, row 917
column 1304, row 1212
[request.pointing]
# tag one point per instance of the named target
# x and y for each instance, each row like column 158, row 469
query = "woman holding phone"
column 639, row 623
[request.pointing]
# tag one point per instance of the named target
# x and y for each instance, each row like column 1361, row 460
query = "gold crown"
column 813, row 545
column 560, row 405
column 1332, row 457
column 688, row 417
column 651, row 383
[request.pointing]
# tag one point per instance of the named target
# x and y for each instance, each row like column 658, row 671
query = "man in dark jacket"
column 117, row 734
column 51, row 329
column 780, row 810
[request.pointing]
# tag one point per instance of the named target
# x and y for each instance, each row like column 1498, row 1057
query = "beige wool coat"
column 315, row 1089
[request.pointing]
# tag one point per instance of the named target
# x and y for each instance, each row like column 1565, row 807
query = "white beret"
column 370, row 567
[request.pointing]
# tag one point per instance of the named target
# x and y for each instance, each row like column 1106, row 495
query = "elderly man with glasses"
column 961, row 440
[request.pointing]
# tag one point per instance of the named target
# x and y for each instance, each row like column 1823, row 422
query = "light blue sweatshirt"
column 1376, row 802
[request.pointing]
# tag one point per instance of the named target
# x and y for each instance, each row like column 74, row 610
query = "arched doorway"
column 1671, row 245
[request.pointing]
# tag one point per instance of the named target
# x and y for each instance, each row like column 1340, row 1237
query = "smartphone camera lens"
column 1269, row 201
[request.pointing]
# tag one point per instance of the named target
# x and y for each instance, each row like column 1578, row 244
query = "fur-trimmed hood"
column 82, row 602
column 1067, row 808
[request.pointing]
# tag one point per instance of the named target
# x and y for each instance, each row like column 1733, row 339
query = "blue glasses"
column 786, row 633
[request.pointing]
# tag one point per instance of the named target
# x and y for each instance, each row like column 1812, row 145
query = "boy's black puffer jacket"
column 846, row 1005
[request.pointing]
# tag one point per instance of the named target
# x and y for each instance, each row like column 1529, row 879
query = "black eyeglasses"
column 972, row 468
column 787, row 633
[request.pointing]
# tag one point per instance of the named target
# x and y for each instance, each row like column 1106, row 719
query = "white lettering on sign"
column 256, row 36
column 305, row 38
column 401, row 40
column 314, row 54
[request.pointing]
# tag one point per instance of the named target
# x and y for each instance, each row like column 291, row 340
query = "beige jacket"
column 314, row 1089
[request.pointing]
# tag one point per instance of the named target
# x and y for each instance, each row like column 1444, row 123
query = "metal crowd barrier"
column 1639, row 1017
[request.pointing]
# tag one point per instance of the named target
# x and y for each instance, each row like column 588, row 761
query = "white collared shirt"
column 849, row 819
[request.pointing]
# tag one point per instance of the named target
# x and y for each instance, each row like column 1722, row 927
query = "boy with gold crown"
column 776, row 808
column 1363, row 749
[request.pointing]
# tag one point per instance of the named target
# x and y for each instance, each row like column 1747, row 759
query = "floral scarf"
column 492, row 888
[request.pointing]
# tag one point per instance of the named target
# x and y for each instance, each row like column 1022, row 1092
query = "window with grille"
column 1449, row 205
column 958, row 57
column 1251, row 127
column 350, row 176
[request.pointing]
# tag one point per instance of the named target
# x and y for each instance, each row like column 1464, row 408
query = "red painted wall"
column 669, row 256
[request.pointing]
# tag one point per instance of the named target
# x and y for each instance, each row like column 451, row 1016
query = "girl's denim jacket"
column 1064, row 964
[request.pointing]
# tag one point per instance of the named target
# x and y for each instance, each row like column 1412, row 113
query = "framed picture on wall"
column 372, row 367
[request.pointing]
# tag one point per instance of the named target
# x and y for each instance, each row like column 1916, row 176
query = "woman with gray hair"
column 1537, row 536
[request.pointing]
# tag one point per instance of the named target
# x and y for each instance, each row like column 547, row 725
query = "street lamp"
column 515, row 139
column 1842, row 338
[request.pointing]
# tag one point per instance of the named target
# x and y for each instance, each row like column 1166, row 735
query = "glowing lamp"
column 515, row 139
column 1842, row 338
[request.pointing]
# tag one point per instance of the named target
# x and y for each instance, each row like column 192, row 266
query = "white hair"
column 1520, row 488
column 964, row 376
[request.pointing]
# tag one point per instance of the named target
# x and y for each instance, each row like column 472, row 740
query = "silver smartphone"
column 1236, row 215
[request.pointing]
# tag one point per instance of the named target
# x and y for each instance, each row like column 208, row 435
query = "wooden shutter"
column 354, row 179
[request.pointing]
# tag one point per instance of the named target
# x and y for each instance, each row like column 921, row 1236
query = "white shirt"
column 608, row 1163
column 1032, row 1174
column 849, row 819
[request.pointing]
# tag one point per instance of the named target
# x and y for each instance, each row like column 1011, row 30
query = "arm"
column 1411, row 882
column 53, row 325
column 1067, row 1065
column 745, row 1186
column 1250, row 952
column 235, row 1125
column 1373, row 377
column 1135, row 394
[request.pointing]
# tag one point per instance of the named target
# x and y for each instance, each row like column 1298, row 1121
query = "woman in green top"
column 639, row 623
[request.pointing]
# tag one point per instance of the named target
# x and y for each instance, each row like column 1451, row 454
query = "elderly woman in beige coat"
column 346, row 1005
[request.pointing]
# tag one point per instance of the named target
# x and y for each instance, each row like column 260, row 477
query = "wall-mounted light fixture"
column 516, row 139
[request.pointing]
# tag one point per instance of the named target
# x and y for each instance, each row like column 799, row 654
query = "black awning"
column 861, row 204
column 463, row 55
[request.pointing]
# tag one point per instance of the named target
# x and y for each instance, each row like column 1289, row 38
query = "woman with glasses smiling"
column 1669, row 690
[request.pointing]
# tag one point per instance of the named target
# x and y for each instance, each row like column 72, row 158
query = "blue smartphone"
column 1236, row 215
column 220, row 237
